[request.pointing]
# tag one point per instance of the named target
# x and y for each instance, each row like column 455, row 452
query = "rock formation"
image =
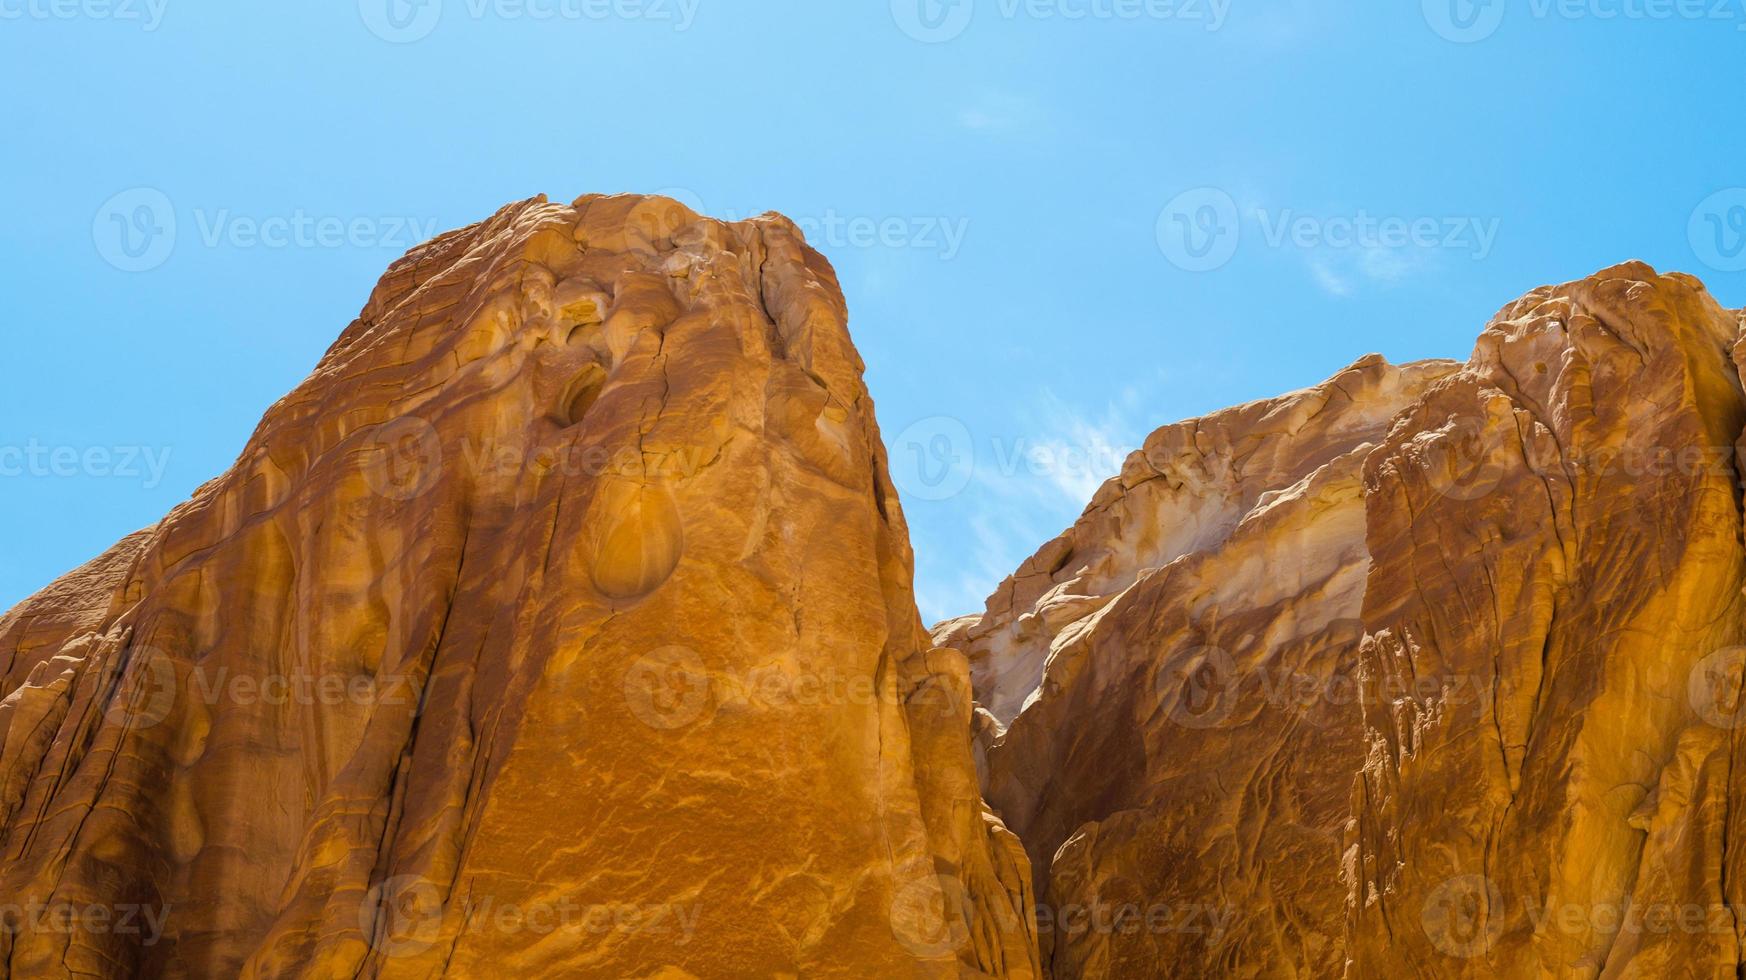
column 1231, row 549
column 561, row 624
column 1427, row 671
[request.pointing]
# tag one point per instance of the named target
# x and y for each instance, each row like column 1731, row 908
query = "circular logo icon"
column 931, row 916
column 1713, row 688
column 401, row 21
column 1464, row 21
column 934, row 459
column 404, row 458
column 652, row 223
column 1718, row 230
column 932, row 21
column 667, row 689
column 1457, row 465
column 684, row 195
column 1463, row 916
column 403, row 916
column 1200, row 687
column 147, row 693
column 135, row 231
column 1199, row 229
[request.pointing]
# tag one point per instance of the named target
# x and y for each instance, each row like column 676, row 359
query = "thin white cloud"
column 1338, row 272
column 1059, row 454
column 1330, row 281
column 996, row 111
column 1030, row 484
column 1389, row 264
column 1001, row 539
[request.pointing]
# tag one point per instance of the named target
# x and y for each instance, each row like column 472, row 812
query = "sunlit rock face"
column 1427, row 671
column 560, row 624
column 1582, row 570
column 1230, row 551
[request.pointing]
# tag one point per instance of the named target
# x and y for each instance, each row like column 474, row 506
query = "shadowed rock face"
column 1427, row 671
column 559, row 625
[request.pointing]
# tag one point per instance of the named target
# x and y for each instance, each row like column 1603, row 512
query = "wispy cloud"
column 996, row 111
column 1030, row 484
column 1390, row 264
column 1339, row 272
column 1332, row 283
column 960, row 583
column 1060, row 453
column 1087, row 450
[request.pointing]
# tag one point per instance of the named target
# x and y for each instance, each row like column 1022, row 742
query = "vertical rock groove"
column 482, row 661
column 561, row 623
column 1428, row 671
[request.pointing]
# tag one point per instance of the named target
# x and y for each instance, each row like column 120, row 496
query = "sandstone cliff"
column 1430, row 670
column 560, row 624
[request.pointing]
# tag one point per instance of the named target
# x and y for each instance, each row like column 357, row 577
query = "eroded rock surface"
column 1427, row 671
column 560, row 624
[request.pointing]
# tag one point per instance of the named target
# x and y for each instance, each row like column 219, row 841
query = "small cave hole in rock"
column 581, row 394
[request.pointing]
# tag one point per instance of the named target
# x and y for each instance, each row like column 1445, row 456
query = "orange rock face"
column 559, row 625
column 1427, row 671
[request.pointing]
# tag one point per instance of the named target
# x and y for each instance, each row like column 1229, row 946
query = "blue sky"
column 1059, row 223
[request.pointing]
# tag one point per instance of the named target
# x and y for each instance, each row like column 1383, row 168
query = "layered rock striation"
column 1430, row 670
column 560, row 624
